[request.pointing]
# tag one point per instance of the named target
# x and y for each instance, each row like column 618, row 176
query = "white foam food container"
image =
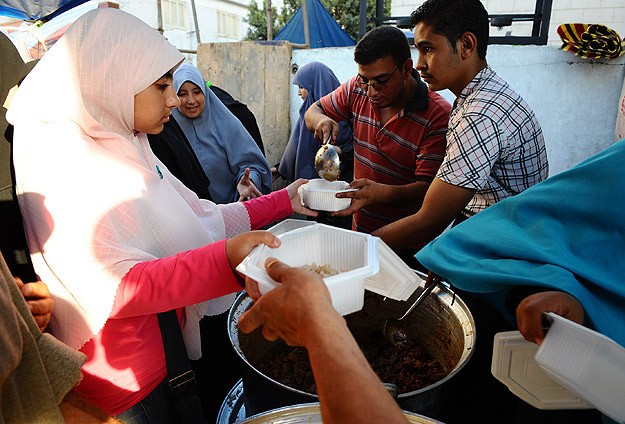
column 394, row 279
column 320, row 195
column 353, row 254
column 587, row 363
column 513, row 364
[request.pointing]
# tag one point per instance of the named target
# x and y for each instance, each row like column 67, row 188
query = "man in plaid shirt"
column 495, row 149
column 495, row 146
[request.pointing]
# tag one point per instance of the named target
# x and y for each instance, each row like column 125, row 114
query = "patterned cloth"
column 495, row 144
column 591, row 41
column 408, row 148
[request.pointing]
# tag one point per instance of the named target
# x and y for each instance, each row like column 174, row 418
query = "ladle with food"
column 327, row 161
column 394, row 330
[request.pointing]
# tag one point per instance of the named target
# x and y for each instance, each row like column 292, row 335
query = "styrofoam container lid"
column 353, row 254
column 587, row 363
column 513, row 364
column 395, row 279
column 320, row 195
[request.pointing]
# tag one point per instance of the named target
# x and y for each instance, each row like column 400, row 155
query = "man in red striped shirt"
column 399, row 129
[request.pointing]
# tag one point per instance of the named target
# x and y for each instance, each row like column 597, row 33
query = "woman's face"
column 191, row 100
column 302, row 92
column 154, row 104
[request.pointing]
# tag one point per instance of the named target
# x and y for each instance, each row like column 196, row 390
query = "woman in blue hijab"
column 231, row 159
column 314, row 80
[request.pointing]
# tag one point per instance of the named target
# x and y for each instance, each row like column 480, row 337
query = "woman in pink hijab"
column 116, row 237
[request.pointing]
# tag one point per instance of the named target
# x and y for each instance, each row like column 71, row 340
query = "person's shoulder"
column 438, row 101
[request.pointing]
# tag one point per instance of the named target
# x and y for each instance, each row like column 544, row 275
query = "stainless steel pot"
column 443, row 326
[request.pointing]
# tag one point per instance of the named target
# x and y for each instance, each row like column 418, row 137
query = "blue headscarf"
column 222, row 144
column 298, row 159
column 566, row 233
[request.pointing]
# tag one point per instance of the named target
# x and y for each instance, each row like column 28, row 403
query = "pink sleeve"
column 176, row 281
column 266, row 209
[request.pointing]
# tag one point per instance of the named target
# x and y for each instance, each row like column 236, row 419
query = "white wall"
column 574, row 99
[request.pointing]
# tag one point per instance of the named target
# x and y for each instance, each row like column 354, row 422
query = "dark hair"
column 381, row 42
column 452, row 18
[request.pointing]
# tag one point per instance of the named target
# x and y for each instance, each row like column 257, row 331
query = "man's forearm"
column 337, row 363
column 407, row 195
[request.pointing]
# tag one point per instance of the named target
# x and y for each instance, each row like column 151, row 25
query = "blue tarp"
column 36, row 10
column 323, row 30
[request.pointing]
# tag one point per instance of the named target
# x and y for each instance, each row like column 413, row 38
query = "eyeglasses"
column 376, row 85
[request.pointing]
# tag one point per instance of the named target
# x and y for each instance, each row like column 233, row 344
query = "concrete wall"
column 257, row 75
column 575, row 100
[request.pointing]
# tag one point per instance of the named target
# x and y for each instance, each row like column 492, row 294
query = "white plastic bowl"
column 354, row 254
column 394, row 279
column 320, row 195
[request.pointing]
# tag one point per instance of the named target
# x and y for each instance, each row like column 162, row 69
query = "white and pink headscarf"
column 90, row 190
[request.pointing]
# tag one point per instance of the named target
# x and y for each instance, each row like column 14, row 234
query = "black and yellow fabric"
column 591, row 41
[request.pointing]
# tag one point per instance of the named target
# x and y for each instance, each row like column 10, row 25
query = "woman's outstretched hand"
column 238, row 247
column 246, row 188
column 296, row 201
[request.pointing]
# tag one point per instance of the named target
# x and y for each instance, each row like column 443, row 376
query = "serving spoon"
column 327, row 162
column 394, row 330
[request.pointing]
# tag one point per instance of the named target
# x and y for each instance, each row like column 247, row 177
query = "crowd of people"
column 141, row 192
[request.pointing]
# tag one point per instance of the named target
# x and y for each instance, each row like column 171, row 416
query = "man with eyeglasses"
column 495, row 145
column 399, row 128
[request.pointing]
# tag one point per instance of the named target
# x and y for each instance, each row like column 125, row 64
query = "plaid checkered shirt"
column 495, row 144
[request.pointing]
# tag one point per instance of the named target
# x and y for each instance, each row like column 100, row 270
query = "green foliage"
column 345, row 12
column 257, row 20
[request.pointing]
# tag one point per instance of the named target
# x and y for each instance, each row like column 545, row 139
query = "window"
column 227, row 25
column 174, row 13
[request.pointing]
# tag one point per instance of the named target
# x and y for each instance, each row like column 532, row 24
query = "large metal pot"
column 442, row 325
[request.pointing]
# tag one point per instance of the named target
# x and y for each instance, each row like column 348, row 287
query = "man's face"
column 387, row 81
column 438, row 64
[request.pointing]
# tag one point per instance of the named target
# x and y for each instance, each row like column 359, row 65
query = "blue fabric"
column 298, row 159
column 323, row 30
column 222, row 144
column 36, row 10
column 566, row 233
